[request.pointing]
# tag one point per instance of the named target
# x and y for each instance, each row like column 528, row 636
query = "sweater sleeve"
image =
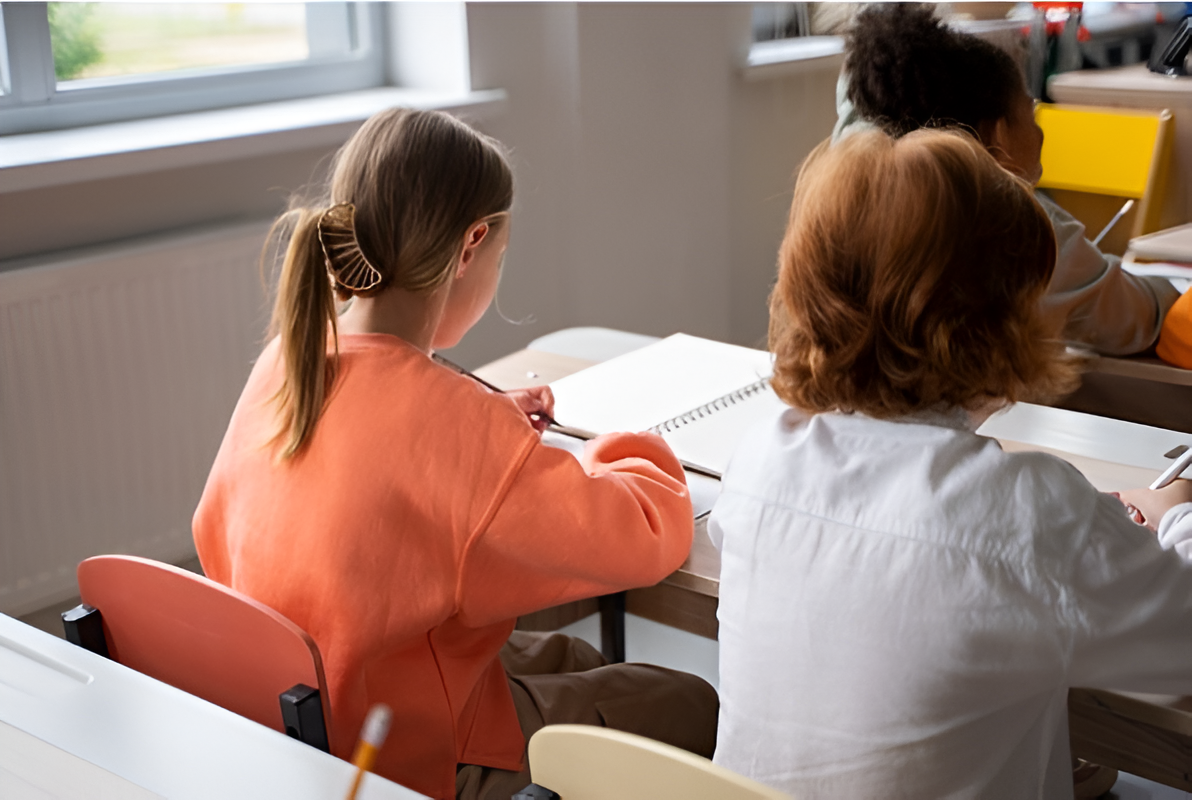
column 1102, row 305
column 619, row 518
column 1134, row 603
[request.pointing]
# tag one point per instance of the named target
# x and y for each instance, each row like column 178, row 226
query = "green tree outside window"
column 75, row 34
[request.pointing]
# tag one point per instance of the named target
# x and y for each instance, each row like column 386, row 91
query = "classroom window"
column 3, row 56
column 71, row 64
column 774, row 21
column 110, row 40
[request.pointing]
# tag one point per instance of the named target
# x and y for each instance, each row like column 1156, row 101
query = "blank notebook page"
column 711, row 441
column 666, row 382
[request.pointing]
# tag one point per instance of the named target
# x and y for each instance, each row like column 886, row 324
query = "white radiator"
column 119, row 370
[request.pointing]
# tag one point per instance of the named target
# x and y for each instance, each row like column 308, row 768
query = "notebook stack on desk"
column 1167, row 254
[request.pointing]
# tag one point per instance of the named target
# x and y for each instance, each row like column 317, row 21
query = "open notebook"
column 1173, row 244
column 698, row 394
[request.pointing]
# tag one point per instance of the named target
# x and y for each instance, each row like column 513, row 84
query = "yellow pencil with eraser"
column 372, row 736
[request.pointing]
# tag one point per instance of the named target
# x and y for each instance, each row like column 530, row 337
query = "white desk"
column 1113, row 454
column 157, row 738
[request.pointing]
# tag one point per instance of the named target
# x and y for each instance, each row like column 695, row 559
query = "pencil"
column 556, row 427
column 372, row 736
column 1128, row 205
column 452, row 365
column 1174, row 471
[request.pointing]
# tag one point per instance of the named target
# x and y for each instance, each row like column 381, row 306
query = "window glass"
column 5, row 81
column 795, row 20
column 115, row 40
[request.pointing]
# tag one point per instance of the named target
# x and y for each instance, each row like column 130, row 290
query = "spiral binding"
column 708, row 409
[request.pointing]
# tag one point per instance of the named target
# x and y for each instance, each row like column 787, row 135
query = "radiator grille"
column 119, row 370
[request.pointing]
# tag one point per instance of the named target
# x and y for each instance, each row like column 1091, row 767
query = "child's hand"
column 536, row 402
column 1152, row 505
column 1133, row 513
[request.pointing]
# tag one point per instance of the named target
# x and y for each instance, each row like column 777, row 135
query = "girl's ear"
column 997, row 141
column 472, row 239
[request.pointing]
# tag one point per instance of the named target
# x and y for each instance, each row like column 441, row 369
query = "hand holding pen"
column 1147, row 506
column 1174, row 471
column 537, row 402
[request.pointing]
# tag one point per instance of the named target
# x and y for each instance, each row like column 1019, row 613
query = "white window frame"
column 346, row 54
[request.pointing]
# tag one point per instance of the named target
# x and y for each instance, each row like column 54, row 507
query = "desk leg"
column 612, row 627
column 1126, row 733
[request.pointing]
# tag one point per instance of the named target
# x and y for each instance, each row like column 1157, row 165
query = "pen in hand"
column 372, row 736
column 576, row 432
column 1174, row 471
column 535, row 415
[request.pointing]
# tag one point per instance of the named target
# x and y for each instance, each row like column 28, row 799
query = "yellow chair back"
column 1114, row 152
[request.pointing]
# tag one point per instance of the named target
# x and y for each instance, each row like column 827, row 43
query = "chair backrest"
column 201, row 637
column 583, row 762
column 1109, row 154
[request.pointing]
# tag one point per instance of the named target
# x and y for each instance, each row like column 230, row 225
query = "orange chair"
column 202, row 638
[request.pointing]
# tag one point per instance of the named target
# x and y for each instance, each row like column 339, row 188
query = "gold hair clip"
column 346, row 264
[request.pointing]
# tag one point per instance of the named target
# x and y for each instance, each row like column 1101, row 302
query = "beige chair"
column 583, row 762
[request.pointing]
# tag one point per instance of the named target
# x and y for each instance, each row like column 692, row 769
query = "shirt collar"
column 953, row 417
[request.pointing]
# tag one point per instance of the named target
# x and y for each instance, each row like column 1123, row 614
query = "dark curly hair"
column 907, row 70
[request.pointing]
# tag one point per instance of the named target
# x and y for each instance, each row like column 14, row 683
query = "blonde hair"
column 417, row 180
column 910, row 277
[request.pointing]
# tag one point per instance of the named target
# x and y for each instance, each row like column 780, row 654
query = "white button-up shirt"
column 903, row 607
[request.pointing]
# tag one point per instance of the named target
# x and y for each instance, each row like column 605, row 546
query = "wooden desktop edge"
column 1141, row 368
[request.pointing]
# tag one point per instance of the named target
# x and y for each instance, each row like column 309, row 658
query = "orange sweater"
column 423, row 517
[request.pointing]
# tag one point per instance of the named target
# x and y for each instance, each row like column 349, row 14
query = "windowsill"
column 54, row 158
column 781, row 57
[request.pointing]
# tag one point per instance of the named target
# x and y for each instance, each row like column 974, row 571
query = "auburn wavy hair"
column 909, row 278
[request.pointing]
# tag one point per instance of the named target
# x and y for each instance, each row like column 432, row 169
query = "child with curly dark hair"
column 905, row 69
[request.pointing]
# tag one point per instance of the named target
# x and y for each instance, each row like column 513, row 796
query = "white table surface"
column 1103, row 438
column 151, row 735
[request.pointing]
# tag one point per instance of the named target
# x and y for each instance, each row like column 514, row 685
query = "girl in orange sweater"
column 404, row 515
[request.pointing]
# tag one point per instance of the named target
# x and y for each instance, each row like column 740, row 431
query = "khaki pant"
column 558, row 679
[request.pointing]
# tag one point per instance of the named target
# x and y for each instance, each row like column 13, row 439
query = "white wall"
column 653, row 180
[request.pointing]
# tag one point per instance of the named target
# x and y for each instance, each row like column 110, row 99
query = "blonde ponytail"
column 403, row 192
column 303, row 315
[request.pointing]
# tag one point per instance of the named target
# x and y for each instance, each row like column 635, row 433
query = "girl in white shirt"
column 903, row 605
